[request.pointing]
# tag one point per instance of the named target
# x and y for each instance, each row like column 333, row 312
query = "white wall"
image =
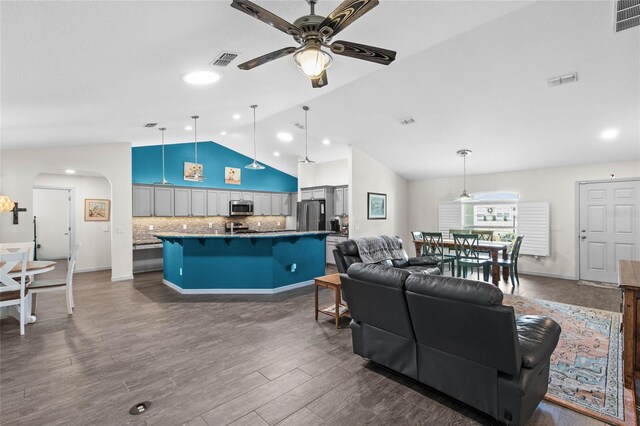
column 95, row 251
column 369, row 175
column 18, row 171
column 331, row 173
column 556, row 185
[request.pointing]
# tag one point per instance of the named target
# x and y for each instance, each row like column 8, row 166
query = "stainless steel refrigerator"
column 312, row 215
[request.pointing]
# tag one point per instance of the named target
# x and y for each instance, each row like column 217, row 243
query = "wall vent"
column 563, row 79
column 407, row 121
column 224, row 59
column 151, row 125
column 627, row 14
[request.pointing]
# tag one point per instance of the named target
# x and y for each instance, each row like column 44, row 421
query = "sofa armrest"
column 538, row 337
column 424, row 261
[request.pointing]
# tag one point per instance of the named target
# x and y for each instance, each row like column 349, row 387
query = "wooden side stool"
column 339, row 309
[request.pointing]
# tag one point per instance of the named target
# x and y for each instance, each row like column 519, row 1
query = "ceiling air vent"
column 563, row 79
column 407, row 121
column 151, row 125
column 299, row 126
column 224, row 59
column 627, row 14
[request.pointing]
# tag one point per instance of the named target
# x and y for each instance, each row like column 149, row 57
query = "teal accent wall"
column 147, row 168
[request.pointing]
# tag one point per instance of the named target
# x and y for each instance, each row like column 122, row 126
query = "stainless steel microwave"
column 240, row 208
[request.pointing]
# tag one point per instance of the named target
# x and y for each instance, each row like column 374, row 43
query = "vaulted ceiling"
column 472, row 74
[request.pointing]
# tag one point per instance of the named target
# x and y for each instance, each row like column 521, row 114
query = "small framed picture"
column 377, row 206
column 193, row 172
column 232, row 175
column 96, row 210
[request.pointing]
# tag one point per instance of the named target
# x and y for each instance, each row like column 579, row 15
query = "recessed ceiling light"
column 276, row 154
column 236, row 116
column 201, row 77
column 223, row 133
column 70, row 171
column 609, row 134
column 326, row 142
column 188, row 128
column 285, row 137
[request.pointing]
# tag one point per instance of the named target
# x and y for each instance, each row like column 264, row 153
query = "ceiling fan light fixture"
column 312, row 61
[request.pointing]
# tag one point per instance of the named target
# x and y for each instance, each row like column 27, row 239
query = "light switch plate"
column 210, row 225
column 184, row 226
column 150, row 227
column 105, row 228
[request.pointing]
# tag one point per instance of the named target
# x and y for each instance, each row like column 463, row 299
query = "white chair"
column 42, row 286
column 13, row 292
column 15, row 247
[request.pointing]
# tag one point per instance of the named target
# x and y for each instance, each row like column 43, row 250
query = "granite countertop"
column 147, row 241
column 257, row 235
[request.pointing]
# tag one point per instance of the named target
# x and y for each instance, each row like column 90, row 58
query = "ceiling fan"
column 313, row 32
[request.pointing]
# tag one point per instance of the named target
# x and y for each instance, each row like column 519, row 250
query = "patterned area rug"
column 586, row 367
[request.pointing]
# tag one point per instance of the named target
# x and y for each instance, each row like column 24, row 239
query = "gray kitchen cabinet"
column 276, row 204
column 285, row 204
column 257, row 205
column 182, row 202
column 319, row 194
column 306, row 195
column 265, row 204
column 212, row 203
column 223, row 203
column 330, row 246
column 235, row 195
column 162, row 201
column 338, row 202
column 247, row 196
column 142, row 201
column 198, row 202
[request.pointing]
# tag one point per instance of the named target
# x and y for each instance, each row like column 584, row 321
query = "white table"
column 34, row 267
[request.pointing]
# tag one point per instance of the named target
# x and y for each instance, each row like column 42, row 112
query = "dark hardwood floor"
column 216, row 360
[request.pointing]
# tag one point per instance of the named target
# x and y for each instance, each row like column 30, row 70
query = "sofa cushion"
column 462, row 290
column 538, row 337
column 424, row 261
column 378, row 274
column 348, row 248
column 430, row 270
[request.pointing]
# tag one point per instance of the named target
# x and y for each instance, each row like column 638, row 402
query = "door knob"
column 583, row 237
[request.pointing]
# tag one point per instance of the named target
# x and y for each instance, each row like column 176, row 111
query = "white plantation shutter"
column 533, row 223
column 449, row 217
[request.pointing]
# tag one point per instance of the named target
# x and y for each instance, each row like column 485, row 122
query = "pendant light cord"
column 255, row 153
column 162, row 130
column 306, row 133
column 195, row 136
column 464, row 172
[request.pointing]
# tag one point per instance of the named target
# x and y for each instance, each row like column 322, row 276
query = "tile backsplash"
column 141, row 225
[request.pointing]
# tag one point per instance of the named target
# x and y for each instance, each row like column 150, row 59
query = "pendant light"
column 464, row 196
column 255, row 165
column 196, row 175
column 306, row 138
column 164, row 181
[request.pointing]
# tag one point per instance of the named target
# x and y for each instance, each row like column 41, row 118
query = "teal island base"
column 263, row 263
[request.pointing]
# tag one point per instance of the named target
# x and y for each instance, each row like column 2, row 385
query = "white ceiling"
column 471, row 73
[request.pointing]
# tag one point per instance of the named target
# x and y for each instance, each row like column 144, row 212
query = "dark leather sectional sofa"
column 346, row 254
column 452, row 334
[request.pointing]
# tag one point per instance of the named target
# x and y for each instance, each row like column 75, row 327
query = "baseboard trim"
column 542, row 274
column 236, row 290
column 99, row 268
column 121, row 278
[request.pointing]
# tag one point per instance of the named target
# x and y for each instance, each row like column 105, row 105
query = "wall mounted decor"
column 232, row 175
column 376, row 206
column 96, row 210
column 193, row 172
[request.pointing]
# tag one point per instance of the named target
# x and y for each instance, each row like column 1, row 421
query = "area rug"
column 586, row 367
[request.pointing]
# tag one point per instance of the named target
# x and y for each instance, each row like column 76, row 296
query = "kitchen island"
column 261, row 263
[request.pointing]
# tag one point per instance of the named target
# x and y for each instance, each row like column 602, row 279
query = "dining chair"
column 433, row 243
column 417, row 236
column 15, row 247
column 60, row 284
column 468, row 256
column 483, row 236
column 512, row 261
column 12, row 291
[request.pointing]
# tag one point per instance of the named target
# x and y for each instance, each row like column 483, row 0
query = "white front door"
column 609, row 228
column 51, row 210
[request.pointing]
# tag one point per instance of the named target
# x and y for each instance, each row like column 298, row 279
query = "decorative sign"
column 232, row 175
column 193, row 172
column 377, row 205
column 96, row 210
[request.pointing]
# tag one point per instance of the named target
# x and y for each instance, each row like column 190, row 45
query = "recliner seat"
column 466, row 343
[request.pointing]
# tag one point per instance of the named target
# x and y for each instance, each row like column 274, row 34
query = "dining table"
column 493, row 247
column 34, row 267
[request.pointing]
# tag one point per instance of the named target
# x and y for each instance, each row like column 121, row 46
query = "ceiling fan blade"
column 364, row 52
column 265, row 16
column 261, row 60
column 321, row 80
column 344, row 15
